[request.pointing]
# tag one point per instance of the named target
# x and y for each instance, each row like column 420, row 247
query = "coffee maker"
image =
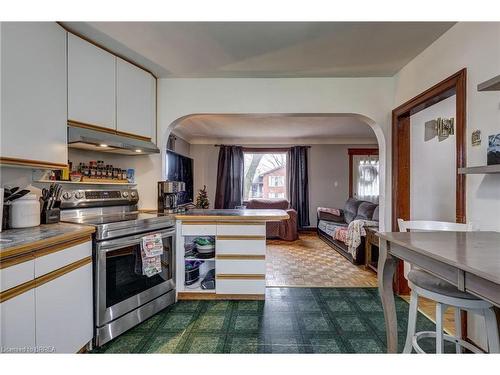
column 168, row 192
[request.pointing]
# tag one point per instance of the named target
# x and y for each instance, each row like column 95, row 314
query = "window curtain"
column 298, row 184
column 229, row 190
column 367, row 188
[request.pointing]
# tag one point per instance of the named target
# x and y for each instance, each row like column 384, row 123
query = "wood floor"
column 310, row 262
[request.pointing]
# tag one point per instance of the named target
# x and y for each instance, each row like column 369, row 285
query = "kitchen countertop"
column 233, row 215
column 15, row 242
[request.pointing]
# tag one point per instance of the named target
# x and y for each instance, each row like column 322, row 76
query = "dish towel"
column 151, row 251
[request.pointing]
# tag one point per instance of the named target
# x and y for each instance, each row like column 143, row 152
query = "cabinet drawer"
column 55, row 260
column 241, row 229
column 240, row 246
column 241, row 266
column 17, row 274
column 240, row 286
column 199, row 229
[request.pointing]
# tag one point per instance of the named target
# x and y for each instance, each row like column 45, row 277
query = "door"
column 33, row 97
column 121, row 284
column 64, row 311
column 17, row 315
column 91, row 84
column 136, row 97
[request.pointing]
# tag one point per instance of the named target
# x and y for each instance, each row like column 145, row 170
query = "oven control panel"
column 98, row 197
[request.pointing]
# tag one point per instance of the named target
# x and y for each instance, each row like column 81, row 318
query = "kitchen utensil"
column 17, row 195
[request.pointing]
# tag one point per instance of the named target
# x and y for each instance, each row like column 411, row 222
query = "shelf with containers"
column 198, row 254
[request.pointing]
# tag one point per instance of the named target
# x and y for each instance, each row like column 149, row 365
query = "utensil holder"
column 51, row 216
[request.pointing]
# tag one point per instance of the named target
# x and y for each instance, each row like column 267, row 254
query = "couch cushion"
column 322, row 215
column 365, row 211
column 351, row 209
column 276, row 204
column 375, row 215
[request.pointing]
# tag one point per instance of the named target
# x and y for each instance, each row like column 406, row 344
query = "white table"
column 469, row 260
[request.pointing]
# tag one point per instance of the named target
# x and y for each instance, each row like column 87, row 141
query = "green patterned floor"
column 290, row 320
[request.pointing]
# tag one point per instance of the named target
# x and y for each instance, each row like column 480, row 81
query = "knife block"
column 51, row 216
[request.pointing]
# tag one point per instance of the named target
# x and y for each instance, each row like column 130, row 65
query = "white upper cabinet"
column 33, row 96
column 91, row 84
column 135, row 100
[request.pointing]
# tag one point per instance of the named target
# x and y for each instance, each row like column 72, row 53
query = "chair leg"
column 440, row 309
column 458, row 329
column 491, row 331
column 412, row 322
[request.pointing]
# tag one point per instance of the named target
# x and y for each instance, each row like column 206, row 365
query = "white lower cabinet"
column 64, row 311
column 17, row 329
column 240, row 286
column 48, row 303
column 241, row 266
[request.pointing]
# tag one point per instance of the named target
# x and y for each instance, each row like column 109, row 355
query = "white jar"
column 25, row 212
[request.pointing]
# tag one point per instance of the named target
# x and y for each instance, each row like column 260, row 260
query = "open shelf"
column 485, row 169
column 85, row 183
column 492, row 84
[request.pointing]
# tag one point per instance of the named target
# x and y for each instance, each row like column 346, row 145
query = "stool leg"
column 458, row 329
column 491, row 331
column 440, row 309
column 412, row 322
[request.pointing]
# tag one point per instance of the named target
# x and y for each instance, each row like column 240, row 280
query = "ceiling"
column 275, row 129
column 265, row 49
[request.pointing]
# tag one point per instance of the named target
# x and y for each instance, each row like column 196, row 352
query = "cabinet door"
column 33, row 93
column 17, row 317
column 136, row 99
column 91, row 84
column 64, row 311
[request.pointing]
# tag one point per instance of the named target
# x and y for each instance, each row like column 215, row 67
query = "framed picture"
column 494, row 149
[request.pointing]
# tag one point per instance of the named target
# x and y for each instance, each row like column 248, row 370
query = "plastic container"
column 25, row 212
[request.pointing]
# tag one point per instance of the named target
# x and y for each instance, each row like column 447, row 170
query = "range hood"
column 102, row 141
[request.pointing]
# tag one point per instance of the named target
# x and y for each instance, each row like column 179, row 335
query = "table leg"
column 386, row 267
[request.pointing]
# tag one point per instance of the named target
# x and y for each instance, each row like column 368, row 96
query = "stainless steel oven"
column 124, row 296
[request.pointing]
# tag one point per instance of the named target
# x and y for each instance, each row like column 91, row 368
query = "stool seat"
column 434, row 284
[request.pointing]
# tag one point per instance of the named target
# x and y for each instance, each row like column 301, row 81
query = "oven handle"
column 111, row 245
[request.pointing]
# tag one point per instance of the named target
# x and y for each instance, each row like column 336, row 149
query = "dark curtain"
column 229, row 191
column 299, row 184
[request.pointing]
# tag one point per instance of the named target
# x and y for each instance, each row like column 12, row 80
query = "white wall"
column 475, row 46
column 372, row 98
column 328, row 173
column 432, row 177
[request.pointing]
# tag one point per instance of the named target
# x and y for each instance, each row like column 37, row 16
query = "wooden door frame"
column 357, row 151
column 453, row 85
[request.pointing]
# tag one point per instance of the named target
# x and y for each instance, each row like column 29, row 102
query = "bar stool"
column 424, row 284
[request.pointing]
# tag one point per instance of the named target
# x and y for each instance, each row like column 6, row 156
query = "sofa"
column 284, row 229
column 331, row 219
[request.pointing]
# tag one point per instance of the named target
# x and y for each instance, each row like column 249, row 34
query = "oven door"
column 120, row 285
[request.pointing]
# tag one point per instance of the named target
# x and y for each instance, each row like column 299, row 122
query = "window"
column 265, row 175
column 276, row 181
column 364, row 174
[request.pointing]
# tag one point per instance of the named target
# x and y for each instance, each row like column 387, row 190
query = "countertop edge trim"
column 41, row 244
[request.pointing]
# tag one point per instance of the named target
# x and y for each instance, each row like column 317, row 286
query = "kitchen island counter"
column 234, row 266
column 244, row 215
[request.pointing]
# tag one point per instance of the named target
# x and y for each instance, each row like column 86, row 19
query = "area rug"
column 290, row 320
